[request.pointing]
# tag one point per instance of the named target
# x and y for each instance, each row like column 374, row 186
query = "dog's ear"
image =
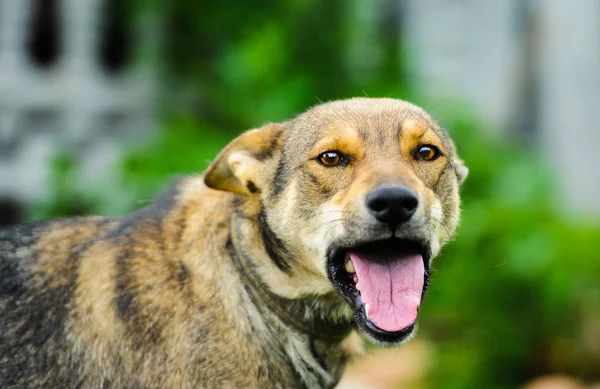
column 461, row 170
column 242, row 167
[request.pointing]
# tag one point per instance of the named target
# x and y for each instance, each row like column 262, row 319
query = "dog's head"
column 357, row 196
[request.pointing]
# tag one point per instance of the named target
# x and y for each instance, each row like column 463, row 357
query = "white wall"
column 74, row 105
column 487, row 53
column 570, row 99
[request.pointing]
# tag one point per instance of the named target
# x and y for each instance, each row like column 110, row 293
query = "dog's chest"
column 316, row 364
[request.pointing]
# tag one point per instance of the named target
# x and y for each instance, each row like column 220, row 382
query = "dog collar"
column 293, row 312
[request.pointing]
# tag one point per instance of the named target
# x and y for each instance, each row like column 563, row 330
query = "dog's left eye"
column 330, row 158
column 427, row 153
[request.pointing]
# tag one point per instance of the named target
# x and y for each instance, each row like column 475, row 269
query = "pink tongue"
column 392, row 288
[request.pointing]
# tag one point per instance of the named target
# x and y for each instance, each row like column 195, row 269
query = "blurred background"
column 102, row 101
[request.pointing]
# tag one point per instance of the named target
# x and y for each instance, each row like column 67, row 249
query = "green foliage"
column 240, row 64
column 65, row 198
column 183, row 147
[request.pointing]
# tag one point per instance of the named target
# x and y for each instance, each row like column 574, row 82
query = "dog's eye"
column 427, row 153
column 330, row 158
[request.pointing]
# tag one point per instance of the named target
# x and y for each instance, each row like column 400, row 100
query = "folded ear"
column 461, row 170
column 243, row 166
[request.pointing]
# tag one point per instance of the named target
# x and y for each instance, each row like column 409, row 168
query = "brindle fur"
column 154, row 299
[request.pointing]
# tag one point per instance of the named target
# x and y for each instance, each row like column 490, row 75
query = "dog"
column 257, row 274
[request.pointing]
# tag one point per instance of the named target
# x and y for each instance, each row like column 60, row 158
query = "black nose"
column 392, row 204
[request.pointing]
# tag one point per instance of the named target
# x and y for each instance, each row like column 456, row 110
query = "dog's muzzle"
column 384, row 278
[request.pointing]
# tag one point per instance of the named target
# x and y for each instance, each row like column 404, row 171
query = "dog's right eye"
column 330, row 158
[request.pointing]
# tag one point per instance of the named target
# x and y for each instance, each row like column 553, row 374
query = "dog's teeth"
column 349, row 266
column 357, row 286
column 367, row 310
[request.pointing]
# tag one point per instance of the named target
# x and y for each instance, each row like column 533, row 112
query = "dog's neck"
column 299, row 314
column 305, row 322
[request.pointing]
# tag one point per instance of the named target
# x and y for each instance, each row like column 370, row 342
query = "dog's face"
column 357, row 195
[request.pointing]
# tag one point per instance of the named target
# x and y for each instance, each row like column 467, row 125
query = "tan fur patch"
column 340, row 137
column 57, row 246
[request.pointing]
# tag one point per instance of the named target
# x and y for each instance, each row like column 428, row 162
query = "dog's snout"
column 392, row 204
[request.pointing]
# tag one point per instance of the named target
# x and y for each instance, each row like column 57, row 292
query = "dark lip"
column 344, row 286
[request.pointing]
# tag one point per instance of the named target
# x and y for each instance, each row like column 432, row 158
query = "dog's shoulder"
column 121, row 286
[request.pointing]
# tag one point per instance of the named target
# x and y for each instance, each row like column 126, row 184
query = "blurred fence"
column 68, row 84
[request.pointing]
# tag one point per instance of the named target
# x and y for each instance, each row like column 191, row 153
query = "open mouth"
column 384, row 282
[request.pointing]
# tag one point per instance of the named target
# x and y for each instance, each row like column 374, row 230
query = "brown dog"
column 250, row 276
